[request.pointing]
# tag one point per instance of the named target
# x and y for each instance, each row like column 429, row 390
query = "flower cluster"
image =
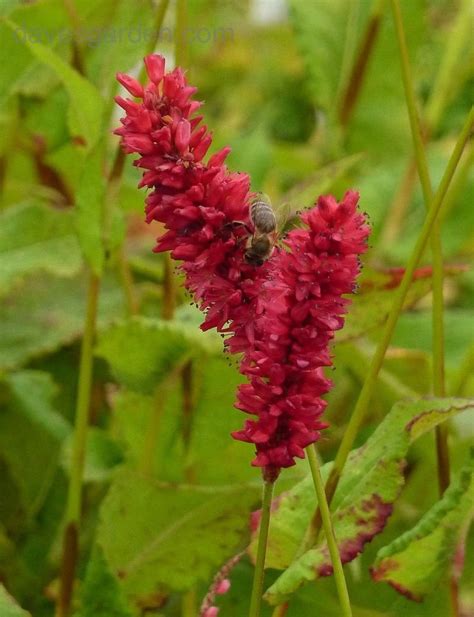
column 204, row 207
column 281, row 315
column 302, row 308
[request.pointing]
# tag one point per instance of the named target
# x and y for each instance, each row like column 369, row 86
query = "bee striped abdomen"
column 263, row 217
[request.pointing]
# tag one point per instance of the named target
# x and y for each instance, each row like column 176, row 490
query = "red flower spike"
column 282, row 315
column 293, row 331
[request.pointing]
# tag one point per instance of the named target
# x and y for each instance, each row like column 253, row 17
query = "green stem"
column 181, row 43
column 74, row 496
column 329, row 532
column 153, row 430
column 442, row 90
column 436, row 249
column 439, row 97
column 115, row 180
column 377, row 360
column 399, row 206
column 458, row 186
column 463, row 374
column 257, row 589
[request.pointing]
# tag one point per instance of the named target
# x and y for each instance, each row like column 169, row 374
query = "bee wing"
column 287, row 218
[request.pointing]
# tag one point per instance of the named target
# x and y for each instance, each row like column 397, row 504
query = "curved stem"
column 341, row 585
column 74, row 496
column 436, row 249
column 181, row 43
column 257, row 589
column 377, row 360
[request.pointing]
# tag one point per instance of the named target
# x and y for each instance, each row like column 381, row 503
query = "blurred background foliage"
column 309, row 95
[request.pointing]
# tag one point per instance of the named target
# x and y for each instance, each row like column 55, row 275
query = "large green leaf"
column 48, row 312
column 159, row 536
column 8, row 606
column 31, row 434
column 34, row 237
column 85, row 103
column 142, row 351
column 416, row 562
column 371, row 482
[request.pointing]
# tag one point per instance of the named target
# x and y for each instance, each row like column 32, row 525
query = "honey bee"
column 262, row 241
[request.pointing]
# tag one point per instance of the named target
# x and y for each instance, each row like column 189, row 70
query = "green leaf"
column 48, row 312
column 85, row 103
column 34, row 237
column 101, row 595
column 8, row 606
column 156, row 536
column 371, row 481
column 31, row 434
column 416, row 562
column 89, row 210
column 142, row 351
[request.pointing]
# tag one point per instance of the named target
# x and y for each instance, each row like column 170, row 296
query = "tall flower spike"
column 300, row 309
column 204, row 207
column 280, row 316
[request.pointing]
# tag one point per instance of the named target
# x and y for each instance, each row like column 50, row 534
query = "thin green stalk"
column 341, row 585
column 458, row 185
column 74, row 496
column 377, row 360
column 399, row 205
column 115, row 180
column 259, row 572
column 463, row 373
column 439, row 97
column 436, row 249
column 442, row 90
column 181, row 42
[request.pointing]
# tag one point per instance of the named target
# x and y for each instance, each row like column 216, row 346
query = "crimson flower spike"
column 280, row 316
